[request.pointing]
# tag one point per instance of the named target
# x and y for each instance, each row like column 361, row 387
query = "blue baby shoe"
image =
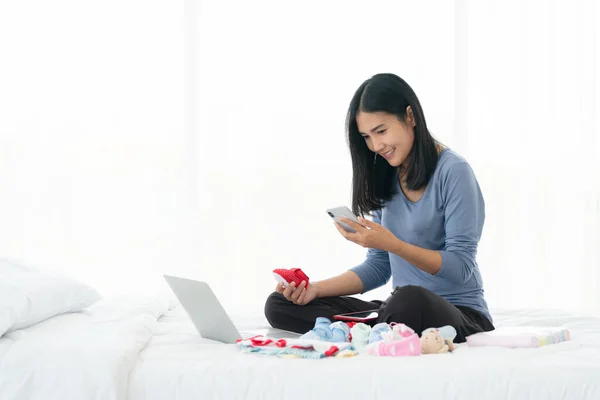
column 340, row 332
column 377, row 331
column 321, row 331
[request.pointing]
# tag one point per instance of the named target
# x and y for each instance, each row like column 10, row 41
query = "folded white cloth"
column 520, row 336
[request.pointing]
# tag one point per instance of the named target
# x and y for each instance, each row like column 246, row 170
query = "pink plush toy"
column 409, row 346
column 401, row 340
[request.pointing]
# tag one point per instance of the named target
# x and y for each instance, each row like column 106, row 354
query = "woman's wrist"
column 316, row 289
column 397, row 247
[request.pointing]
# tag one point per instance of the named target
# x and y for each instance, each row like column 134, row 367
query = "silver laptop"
column 208, row 315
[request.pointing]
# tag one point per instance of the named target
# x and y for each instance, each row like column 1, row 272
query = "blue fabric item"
column 329, row 332
column 339, row 332
column 321, row 331
column 284, row 351
column 377, row 331
column 447, row 331
column 448, row 218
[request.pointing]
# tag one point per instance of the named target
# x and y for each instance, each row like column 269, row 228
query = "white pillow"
column 10, row 266
column 29, row 297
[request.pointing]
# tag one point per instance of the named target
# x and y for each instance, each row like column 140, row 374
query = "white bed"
column 134, row 348
column 177, row 364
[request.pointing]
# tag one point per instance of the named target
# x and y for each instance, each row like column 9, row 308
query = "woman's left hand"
column 370, row 235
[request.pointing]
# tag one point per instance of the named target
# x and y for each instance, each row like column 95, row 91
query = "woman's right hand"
column 300, row 295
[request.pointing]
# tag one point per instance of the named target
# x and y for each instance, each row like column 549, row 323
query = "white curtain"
column 94, row 168
column 275, row 80
column 530, row 127
column 512, row 87
column 206, row 138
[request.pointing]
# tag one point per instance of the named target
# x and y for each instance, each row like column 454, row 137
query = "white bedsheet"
column 177, row 364
column 87, row 355
column 137, row 349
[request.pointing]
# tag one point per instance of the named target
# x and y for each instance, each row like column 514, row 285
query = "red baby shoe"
column 287, row 276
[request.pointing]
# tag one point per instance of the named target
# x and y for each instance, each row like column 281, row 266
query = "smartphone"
column 343, row 211
column 361, row 316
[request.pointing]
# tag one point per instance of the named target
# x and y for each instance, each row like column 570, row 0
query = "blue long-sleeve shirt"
column 448, row 218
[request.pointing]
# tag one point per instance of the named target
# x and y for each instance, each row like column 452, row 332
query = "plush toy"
column 438, row 340
column 397, row 332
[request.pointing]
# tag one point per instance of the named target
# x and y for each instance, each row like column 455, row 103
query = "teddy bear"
column 438, row 340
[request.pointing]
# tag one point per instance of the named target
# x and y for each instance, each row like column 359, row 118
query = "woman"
column 428, row 214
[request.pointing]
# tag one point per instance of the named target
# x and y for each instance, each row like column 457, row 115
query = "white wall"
column 94, row 177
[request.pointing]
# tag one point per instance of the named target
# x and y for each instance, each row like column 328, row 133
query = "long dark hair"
column 373, row 178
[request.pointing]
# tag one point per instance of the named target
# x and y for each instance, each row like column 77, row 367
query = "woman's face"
column 387, row 136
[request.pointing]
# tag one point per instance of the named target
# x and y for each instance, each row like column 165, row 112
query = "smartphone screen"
column 372, row 314
column 362, row 316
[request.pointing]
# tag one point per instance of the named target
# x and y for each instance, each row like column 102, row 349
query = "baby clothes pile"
column 341, row 339
column 326, row 339
column 381, row 340
column 347, row 339
column 400, row 340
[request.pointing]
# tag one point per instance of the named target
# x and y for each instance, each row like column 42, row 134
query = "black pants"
column 413, row 306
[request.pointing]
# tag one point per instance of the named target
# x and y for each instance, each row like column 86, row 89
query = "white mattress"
column 178, row 364
column 137, row 348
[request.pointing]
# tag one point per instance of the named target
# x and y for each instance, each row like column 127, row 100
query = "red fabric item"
column 332, row 350
column 250, row 338
column 292, row 275
column 260, row 342
column 350, row 325
column 281, row 343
